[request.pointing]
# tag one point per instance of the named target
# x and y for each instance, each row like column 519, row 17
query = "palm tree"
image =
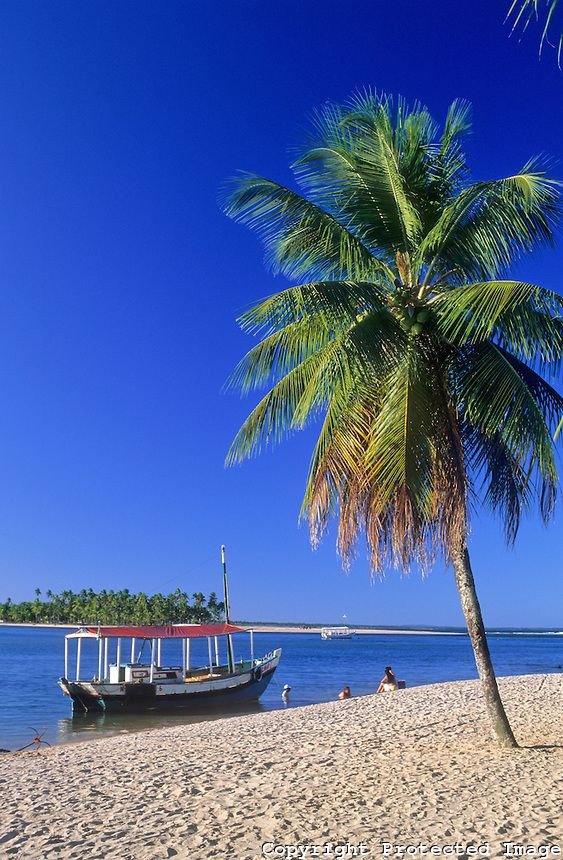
column 37, row 605
column 420, row 360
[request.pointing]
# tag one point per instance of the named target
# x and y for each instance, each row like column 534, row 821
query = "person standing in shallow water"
column 285, row 693
column 389, row 682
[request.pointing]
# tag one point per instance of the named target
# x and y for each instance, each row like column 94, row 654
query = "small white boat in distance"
column 337, row 633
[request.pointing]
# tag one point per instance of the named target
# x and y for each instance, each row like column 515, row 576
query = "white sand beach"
column 261, row 627
column 416, row 766
column 361, row 631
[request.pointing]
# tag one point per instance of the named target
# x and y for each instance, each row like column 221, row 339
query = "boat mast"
column 230, row 656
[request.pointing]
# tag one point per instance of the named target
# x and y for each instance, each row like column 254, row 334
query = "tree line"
column 114, row 607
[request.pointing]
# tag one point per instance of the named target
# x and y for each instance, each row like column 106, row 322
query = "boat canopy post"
column 100, row 645
column 216, row 650
column 66, row 657
column 118, row 656
column 78, row 653
column 188, row 643
column 252, row 647
column 184, row 643
column 210, row 655
column 153, row 641
column 105, row 659
column 158, row 652
column 133, row 649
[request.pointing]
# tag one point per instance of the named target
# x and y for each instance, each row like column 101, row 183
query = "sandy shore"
column 403, row 768
column 279, row 628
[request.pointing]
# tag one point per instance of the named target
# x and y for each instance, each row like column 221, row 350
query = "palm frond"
column 523, row 12
column 336, row 464
column 490, row 224
column 272, row 419
column 300, row 238
column 399, row 459
column 356, row 174
column 306, row 389
column 449, row 168
column 334, row 300
column 456, row 126
column 506, row 402
column 278, row 353
column 399, row 453
column 505, row 480
column 524, row 318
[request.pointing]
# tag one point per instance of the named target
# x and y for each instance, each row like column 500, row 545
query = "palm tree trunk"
column 476, row 629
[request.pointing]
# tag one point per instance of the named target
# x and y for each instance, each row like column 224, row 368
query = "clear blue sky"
column 121, row 282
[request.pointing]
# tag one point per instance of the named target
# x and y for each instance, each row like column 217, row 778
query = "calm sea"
column 32, row 660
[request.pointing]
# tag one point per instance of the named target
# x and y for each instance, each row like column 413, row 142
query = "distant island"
column 114, row 607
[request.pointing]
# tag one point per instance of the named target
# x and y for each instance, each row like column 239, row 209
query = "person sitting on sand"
column 345, row 693
column 389, row 682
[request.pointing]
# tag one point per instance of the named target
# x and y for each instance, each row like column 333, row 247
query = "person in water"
column 345, row 693
column 389, row 682
column 285, row 692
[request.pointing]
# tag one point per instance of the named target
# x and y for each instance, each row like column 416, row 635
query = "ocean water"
column 32, row 660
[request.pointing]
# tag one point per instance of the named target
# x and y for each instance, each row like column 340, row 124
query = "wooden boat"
column 149, row 684
column 152, row 685
column 337, row 633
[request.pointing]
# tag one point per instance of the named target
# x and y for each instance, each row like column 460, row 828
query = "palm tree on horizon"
column 408, row 343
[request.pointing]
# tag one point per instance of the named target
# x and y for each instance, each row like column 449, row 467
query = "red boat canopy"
column 166, row 631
